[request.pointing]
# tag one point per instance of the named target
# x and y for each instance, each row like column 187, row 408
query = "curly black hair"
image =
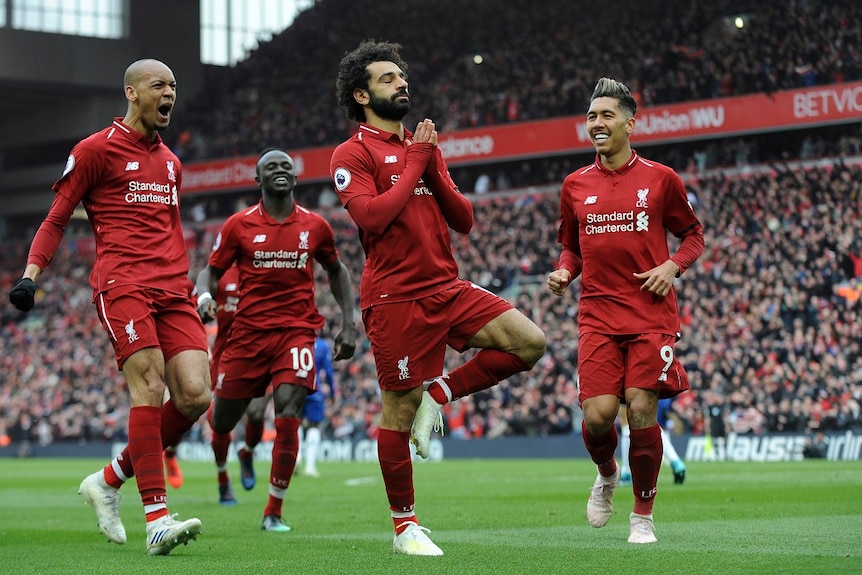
column 353, row 72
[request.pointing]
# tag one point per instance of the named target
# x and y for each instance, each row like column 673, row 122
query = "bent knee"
column 193, row 401
column 533, row 347
column 201, row 401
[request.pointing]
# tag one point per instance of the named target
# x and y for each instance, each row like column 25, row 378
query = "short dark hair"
column 265, row 152
column 610, row 88
column 353, row 72
column 268, row 150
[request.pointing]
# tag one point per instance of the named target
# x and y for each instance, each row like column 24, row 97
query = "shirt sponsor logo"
column 643, row 222
column 616, row 222
column 231, row 304
column 153, row 193
column 279, row 259
column 420, row 190
column 135, row 186
column 613, row 222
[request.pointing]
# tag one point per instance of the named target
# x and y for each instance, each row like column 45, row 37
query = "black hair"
column 265, row 152
column 610, row 88
column 353, row 72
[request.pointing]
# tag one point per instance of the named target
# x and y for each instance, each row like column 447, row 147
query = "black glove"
column 22, row 294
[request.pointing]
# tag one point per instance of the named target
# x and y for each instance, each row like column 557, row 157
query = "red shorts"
column 137, row 317
column 216, row 352
column 409, row 338
column 253, row 358
column 608, row 364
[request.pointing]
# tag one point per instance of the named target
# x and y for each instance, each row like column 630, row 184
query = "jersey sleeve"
column 679, row 217
column 224, row 252
column 373, row 211
column 82, row 171
column 682, row 222
column 326, row 252
column 568, row 233
column 50, row 232
column 456, row 209
column 352, row 172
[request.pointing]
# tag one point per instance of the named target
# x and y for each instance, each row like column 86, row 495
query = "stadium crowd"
column 538, row 61
column 772, row 311
column 772, row 319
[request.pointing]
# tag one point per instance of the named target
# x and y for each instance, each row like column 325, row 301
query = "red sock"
column 124, row 462
column 284, row 451
column 274, row 506
column 400, row 523
column 174, row 424
column 602, row 448
column 220, row 444
column 393, row 452
column 486, row 369
column 645, row 462
column 145, row 448
column 253, row 434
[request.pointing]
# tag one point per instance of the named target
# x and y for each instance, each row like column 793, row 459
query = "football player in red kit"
column 396, row 187
column 615, row 216
column 128, row 180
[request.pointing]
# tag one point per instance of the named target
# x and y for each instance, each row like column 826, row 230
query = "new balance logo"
column 259, row 239
column 132, row 166
column 390, row 160
column 590, row 200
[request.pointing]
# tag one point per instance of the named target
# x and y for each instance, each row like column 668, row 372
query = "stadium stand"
column 537, row 63
column 772, row 312
column 772, row 318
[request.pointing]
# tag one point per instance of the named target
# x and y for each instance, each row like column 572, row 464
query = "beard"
column 389, row 109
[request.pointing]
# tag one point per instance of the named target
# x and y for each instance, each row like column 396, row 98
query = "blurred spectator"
column 815, row 447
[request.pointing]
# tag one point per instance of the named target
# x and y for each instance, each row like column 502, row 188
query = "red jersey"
column 276, row 275
column 128, row 185
column 616, row 223
column 413, row 257
column 227, row 299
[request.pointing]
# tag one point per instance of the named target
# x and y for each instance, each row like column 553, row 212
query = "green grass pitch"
column 489, row 517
